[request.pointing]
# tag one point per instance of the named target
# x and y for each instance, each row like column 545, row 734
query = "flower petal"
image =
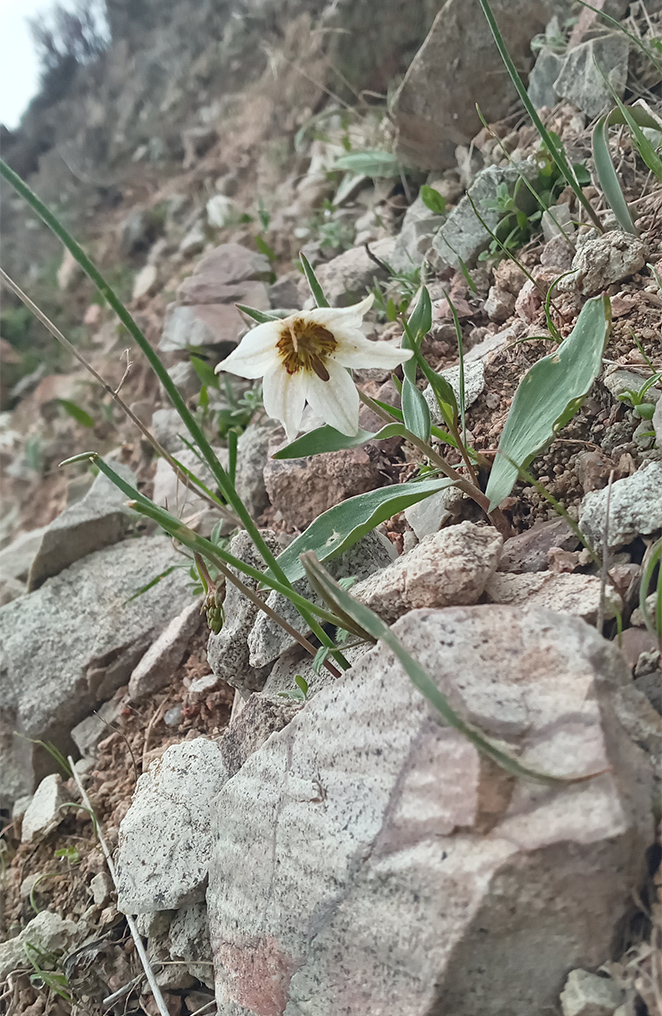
column 340, row 319
column 256, row 353
column 358, row 351
column 335, row 400
column 284, row 398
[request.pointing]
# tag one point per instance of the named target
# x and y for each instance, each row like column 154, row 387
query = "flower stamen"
column 305, row 345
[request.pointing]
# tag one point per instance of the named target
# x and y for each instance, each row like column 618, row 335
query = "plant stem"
column 226, row 488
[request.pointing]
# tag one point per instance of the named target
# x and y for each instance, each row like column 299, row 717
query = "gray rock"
column 189, row 942
column 445, row 569
column 102, row 888
column 228, row 652
column 603, row 260
column 183, row 501
column 587, row 994
column 463, row 235
column 193, row 241
column 48, row 933
column 418, row 227
column 474, row 383
column 43, row 812
column 69, row 645
column 657, row 423
column 556, row 221
column 564, row 593
column 635, row 508
column 139, row 231
column 434, row 108
column 158, row 666
column 544, row 73
column 228, row 265
column 430, row 515
column 252, row 455
column 580, row 80
column 388, row 889
column 16, row 557
column 618, row 381
column 167, row 426
column 348, row 277
column 146, row 282
column 268, row 639
column 527, row 552
column 100, row 519
column 165, row 839
column 214, row 324
column 184, row 376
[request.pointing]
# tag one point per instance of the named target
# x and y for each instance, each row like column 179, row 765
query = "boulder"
column 158, row 666
column 434, row 109
column 100, row 519
column 69, row 645
column 368, row 859
column 602, row 260
column 564, row 593
column 580, row 81
column 635, row 508
column 347, row 278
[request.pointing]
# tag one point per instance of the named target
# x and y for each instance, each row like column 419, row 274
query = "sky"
column 19, row 72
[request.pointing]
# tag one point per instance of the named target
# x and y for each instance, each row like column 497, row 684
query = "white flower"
column 304, row 358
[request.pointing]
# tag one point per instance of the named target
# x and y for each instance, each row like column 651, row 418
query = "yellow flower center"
column 304, row 345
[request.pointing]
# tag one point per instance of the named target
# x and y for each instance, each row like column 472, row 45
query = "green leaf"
column 346, row 523
column 604, row 165
column 328, row 439
column 313, row 282
column 432, row 199
column 415, row 410
column 265, row 249
column 257, row 315
column 373, row 624
column 420, row 320
column 372, row 162
column 205, row 372
column 76, row 412
column 549, row 395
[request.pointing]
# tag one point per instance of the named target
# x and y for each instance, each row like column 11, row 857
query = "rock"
column 463, row 236
column 587, row 994
column 544, row 73
column 593, row 470
column 602, row 260
column 434, row 108
column 528, row 551
column 635, row 508
column 268, row 639
column 619, row 381
column 158, row 666
column 184, row 376
column 189, row 941
column 48, row 933
column 54, row 669
column 564, row 593
column 10, row 589
column 87, row 734
column 499, row 305
column 100, row 519
column 167, row 426
column 214, row 324
column 102, row 888
column 348, row 277
column 430, row 515
column 221, row 211
column 284, row 293
column 228, row 265
column 165, row 839
column 418, row 227
column 657, row 423
column 43, row 812
column 580, row 80
column 425, row 893
column 445, row 569
column 16, row 557
column 474, row 383
column 301, row 489
column 145, row 282
column 556, row 221
column 252, row 455
column 69, row 271
column 227, row 651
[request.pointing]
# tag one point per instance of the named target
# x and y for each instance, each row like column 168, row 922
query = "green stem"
column 226, row 488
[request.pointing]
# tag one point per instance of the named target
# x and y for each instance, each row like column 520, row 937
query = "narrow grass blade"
column 609, row 182
column 257, row 315
column 313, row 282
column 556, row 151
column 366, row 618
